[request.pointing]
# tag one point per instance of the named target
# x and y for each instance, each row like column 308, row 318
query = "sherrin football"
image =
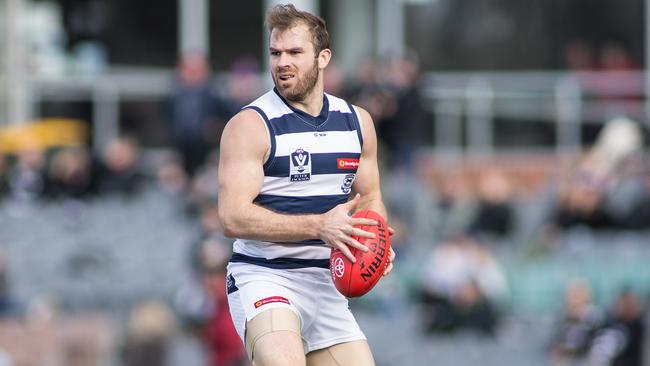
column 356, row 279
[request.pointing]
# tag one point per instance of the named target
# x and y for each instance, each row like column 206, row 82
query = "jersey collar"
column 314, row 120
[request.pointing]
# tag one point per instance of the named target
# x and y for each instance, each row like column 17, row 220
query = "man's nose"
column 284, row 59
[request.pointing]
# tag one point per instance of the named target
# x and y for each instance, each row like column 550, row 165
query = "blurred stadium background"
column 514, row 164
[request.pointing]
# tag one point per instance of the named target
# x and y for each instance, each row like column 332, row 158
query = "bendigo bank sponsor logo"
column 343, row 163
column 269, row 300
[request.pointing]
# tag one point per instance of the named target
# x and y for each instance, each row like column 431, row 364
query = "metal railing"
column 566, row 100
column 461, row 102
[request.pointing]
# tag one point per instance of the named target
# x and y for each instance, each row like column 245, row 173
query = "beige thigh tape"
column 355, row 353
column 269, row 321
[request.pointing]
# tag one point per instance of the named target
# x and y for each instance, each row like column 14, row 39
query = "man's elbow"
column 229, row 224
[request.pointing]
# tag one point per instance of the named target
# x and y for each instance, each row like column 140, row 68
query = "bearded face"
column 295, row 86
column 294, row 63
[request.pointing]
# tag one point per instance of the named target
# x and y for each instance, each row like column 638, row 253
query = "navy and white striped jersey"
column 311, row 166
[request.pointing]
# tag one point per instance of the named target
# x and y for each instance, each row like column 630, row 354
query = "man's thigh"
column 356, row 353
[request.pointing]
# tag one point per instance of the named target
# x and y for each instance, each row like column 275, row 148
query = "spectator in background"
column 4, row 185
column 615, row 57
column 203, row 187
column 400, row 130
column 627, row 192
column 578, row 56
column 7, row 305
column 171, row 178
column 26, row 178
column 243, row 84
column 619, row 151
column 196, row 115
column 455, row 200
column 388, row 90
column 576, row 327
column 118, row 170
column 580, row 200
column 86, row 339
column 219, row 333
column 619, row 84
column 69, row 174
column 411, row 198
column 150, row 328
column 372, row 93
column 474, row 310
column 204, row 309
column 210, row 231
column 639, row 214
column 494, row 213
column 461, row 284
column 621, row 341
column 333, row 81
column 595, row 193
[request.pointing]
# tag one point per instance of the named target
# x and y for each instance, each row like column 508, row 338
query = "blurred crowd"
column 606, row 75
column 585, row 333
column 454, row 220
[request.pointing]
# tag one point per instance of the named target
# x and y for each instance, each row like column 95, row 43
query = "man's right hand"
column 338, row 228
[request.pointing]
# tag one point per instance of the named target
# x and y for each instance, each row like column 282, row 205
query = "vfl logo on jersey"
column 299, row 165
column 346, row 187
column 343, row 163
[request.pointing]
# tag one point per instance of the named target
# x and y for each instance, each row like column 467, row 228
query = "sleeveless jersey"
column 311, row 166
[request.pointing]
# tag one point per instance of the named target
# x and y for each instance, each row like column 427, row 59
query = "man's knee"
column 273, row 338
column 356, row 353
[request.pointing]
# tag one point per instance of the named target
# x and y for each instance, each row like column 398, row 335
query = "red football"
column 356, row 279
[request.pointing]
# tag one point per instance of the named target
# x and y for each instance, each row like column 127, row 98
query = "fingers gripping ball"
column 356, row 279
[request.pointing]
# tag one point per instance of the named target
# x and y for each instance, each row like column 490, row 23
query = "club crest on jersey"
column 346, row 187
column 299, row 165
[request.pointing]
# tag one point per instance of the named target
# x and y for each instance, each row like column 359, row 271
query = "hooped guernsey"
column 310, row 169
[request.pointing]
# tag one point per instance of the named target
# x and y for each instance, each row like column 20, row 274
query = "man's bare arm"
column 367, row 182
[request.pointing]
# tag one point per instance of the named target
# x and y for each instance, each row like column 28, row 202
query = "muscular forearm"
column 374, row 204
column 259, row 223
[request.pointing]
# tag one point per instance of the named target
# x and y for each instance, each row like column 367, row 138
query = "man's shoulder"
column 269, row 105
column 245, row 128
column 262, row 100
column 246, row 117
column 338, row 103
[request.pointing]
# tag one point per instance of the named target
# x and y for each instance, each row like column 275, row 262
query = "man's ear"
column 324, row 58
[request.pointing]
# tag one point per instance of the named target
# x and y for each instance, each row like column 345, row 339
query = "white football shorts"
column 325, row 318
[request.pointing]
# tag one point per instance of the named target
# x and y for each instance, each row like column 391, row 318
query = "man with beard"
column 289, row 163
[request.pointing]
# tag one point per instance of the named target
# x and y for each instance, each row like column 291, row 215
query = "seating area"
column 105, row 255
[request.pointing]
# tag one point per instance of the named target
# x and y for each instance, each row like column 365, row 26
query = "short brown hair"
column 283, row 17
